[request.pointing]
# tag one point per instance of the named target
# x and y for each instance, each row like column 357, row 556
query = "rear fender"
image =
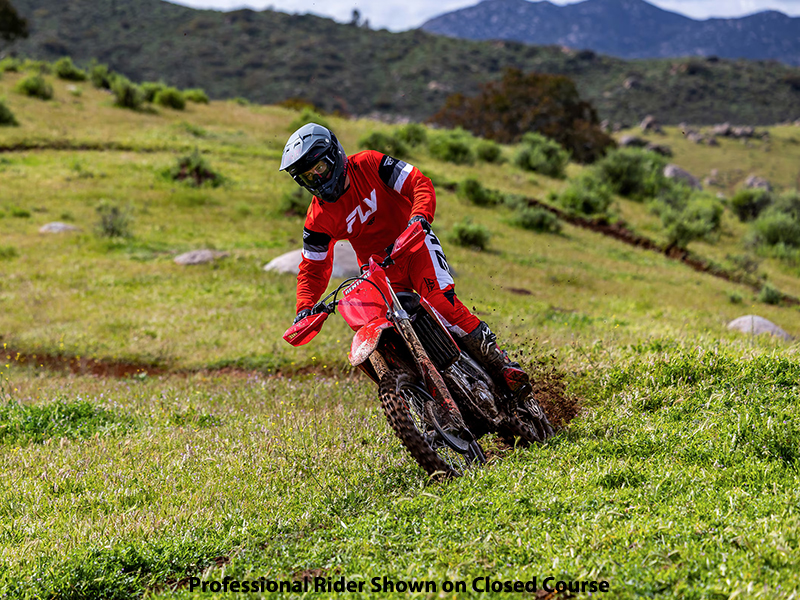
column 366, row 340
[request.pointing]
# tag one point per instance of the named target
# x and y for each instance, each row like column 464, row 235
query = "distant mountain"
column 625, row 28
column 269, row 56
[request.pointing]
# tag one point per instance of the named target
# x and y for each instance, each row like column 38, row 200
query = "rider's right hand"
column 302, row 315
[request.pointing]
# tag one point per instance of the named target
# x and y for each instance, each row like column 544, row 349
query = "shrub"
column 194, row 169
column 633, row 173
column 170, row 97
column 8, row 252
column 115, row 222
column 489, row 151
column 773, row 228
column 735, row 297
column 100, row 76
column 769, row 295
column 20, row 213
column 384, row 143
column 65, row 69
column 7, row 118
column 299, row 104
column 788, row 203
column 747, row 204
column 453, row 146
column 698, row 220
column 542, row 155
column 10, row 64
column 295, row 203
column 586, row 195
column 471, row 189
column 127, row 94
column 35, row 86
column 470, row 235
column 412, row 134
column 536, row 218
column 37, row 66
column 150, row 89
column 196, row 95
column 308, row 115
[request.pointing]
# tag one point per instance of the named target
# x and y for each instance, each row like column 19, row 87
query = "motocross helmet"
column 316, row 160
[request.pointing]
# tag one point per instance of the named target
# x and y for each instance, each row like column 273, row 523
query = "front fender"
column 366, row 340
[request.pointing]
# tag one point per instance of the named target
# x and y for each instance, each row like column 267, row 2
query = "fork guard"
column 366, row 340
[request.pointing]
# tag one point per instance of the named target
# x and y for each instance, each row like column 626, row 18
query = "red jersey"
column 384, row 194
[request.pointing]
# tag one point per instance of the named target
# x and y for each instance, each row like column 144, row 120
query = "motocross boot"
column 481, row 345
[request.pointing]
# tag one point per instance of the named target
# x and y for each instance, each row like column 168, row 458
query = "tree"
column 12, row 26
column 519, row 103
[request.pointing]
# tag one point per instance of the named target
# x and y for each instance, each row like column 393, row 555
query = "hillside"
column 270, row 56
column 625, row 28
column 221, row 454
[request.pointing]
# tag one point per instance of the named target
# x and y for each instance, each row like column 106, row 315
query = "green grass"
column 679, row 479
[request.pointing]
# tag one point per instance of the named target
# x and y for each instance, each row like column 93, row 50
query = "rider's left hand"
column 422, row 220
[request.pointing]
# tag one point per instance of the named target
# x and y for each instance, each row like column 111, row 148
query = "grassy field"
column 678, row 479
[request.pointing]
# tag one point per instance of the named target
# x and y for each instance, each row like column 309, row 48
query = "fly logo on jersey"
column 358, row 211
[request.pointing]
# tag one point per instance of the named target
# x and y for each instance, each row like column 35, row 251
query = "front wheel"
column 410, row 409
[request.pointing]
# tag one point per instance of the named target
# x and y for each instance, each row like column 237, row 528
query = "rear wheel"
column 411, row 413
column 528, row 422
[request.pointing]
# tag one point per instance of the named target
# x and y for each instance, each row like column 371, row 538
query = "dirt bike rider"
column 369, row 199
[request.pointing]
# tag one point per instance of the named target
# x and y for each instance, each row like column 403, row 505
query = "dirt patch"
column 558, row 405
column 80, row 365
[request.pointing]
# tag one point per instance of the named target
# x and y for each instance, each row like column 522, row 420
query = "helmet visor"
column 317, row 175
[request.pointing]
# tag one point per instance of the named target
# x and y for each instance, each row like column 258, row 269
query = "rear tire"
column 529, row 423
column 404, row 400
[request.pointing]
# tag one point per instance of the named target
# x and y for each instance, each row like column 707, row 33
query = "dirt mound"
column 559, row 406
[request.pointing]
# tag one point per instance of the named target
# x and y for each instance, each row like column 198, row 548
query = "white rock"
column 755, row 325
column 57, row 227
column 199, row 257
column 675, row 172
column 345, row 263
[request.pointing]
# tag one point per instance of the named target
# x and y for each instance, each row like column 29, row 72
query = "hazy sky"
column 399, row 15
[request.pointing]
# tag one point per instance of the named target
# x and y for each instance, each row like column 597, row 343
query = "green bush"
column 37, row 66
column 170, row 97
column 412, row 134
column 295, row 203
column 65, row 69
column 775, row 228
column 384, row 143
column 542, row 155
column 788, row 203
column 100, row 76
column 735, row 297
column 470, row 235
column 35, row 86
column 586, row 195
column 7, row 118
column 127, row 94
column 700, row 218
column 747, row 204
column 8, row 252
column 194, row 170
column 150, row 89
column 196, row 95
column 471, row 189
column 489, row 151
column 453, row 146
column 308, row 115
column 115, row 221
column 536, row 218
column 634, row 173
column 769, row 295
column 10, row 64
column 20, row 213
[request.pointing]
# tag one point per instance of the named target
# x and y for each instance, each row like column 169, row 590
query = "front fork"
column 433, row 379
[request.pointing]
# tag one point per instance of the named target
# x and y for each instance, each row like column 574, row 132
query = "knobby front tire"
column 403, row 399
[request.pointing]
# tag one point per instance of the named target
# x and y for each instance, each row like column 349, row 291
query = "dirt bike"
column 438, row 400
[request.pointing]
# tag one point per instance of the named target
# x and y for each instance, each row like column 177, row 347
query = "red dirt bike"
column 437, row 399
